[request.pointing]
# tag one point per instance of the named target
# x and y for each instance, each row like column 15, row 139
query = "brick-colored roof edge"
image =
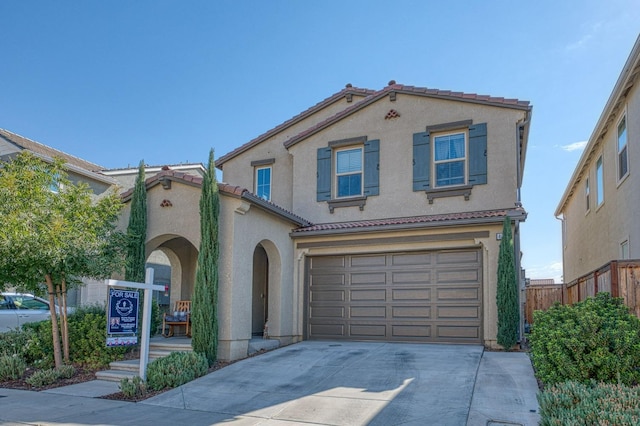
column 413, row 221
column 47, row 151
column 411, row 90
column 290, row 122
column 223, row 188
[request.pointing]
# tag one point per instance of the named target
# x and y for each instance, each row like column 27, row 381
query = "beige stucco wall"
column 592, row 238
column 397, row 198
column 238, row 171
column 489, row 247
column 242, row 228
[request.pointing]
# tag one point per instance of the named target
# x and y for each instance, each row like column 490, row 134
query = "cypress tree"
column 137, row 231
column 205, row 299
column 507, row 292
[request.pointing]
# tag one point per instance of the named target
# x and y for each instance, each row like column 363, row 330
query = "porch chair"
column 181, row 315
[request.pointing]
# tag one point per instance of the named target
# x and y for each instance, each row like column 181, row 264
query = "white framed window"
column 349, row 180
column 587, row 194
column 450, row 159
column 624, row 249
column 623, row 157
column 599, row 181
column 263, row 182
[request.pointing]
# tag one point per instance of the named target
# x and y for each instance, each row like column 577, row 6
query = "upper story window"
column 263, row 182
column 587, row 194
column 623, row 159
column 349, row 172
column 599, row 181
column 450, row 159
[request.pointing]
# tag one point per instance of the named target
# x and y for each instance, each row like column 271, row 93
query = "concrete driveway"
column 358, row 383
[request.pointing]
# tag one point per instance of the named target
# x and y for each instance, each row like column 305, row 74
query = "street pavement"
column 314, row 382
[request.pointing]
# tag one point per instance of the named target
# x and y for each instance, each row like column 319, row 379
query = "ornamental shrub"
column 175, row 370
column 573, row 404
column 133, row 388
column 46, row 377
column 594, row 339
column 12, row 367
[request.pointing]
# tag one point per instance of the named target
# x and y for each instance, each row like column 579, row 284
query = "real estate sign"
column 122, row 321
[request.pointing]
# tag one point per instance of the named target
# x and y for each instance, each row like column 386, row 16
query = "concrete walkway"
column 326, row 383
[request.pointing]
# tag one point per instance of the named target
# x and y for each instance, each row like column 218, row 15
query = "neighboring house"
column 600, row 204
column 373, row 215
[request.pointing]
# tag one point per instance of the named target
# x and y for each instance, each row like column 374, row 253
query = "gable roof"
column 165, row 177
column 394, row 88
column 347, row 92
column 399, row 223
column 47, row 153
column 626, row 81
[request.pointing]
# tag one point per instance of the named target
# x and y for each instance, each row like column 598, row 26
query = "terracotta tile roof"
column 47, row 151
column 393, row 87
column 232, row 190
column 349, row 90
column 400, row 222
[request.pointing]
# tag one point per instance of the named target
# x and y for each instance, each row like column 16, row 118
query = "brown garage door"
column 427, row 296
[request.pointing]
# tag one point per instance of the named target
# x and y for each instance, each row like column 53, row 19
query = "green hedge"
column 594, row 339
column 573, row 404
column 175, row 370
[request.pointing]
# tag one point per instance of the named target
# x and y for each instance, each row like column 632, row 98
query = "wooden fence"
column 621, row 278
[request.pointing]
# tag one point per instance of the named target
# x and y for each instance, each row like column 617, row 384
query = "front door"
column 260, row 297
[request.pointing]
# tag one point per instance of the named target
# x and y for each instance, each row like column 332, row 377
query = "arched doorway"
column 260, row 294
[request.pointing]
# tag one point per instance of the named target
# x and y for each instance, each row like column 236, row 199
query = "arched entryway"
column 260, row 293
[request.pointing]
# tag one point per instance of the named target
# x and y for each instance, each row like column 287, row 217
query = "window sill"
column 449, row 192
column 347, row 202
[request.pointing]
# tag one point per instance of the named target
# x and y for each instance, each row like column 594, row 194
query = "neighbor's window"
column 624, row 250
column 263, row 183
column 599, row 181
column 450, row 159
column 587, row 194
column 623, row 159
column 349, row 172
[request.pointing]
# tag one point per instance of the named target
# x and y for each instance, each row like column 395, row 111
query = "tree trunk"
column 55, row 335
column 64, row 323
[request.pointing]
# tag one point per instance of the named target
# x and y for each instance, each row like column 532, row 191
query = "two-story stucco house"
column 396, row 199
column 600, row 204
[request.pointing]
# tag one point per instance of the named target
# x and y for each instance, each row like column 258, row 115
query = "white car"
column 18, row 308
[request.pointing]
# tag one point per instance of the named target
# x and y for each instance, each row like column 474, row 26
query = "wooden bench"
column 181, row 315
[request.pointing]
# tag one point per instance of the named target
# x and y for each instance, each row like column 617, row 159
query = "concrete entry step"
column 258, row 344
column 115, row 375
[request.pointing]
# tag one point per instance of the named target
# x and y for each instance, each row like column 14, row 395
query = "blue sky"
column 115, row 82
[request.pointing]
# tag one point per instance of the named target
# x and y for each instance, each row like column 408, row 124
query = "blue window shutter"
column 478, row 154
column 372, row 167
column 324, row 175
column 421, row 161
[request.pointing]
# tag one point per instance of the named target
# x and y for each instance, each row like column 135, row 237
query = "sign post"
column 148, row 288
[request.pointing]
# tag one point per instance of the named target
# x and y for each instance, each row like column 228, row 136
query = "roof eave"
column 625, row 79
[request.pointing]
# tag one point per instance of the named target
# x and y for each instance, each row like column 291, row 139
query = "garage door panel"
column 431, row 296
column 327, row 330
column 357, row 295
column 377, row 260
column 457, row 312
column 459, row 293
column 410, row 331
column 368, row 330
column 458, row 276
column 368, row 312
column 379, row 278
column 417, row 312
column 328, row 312
column 328, row 296
column 411, row 294
column 405, row 259
column 410, row 277
column 324, row 280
